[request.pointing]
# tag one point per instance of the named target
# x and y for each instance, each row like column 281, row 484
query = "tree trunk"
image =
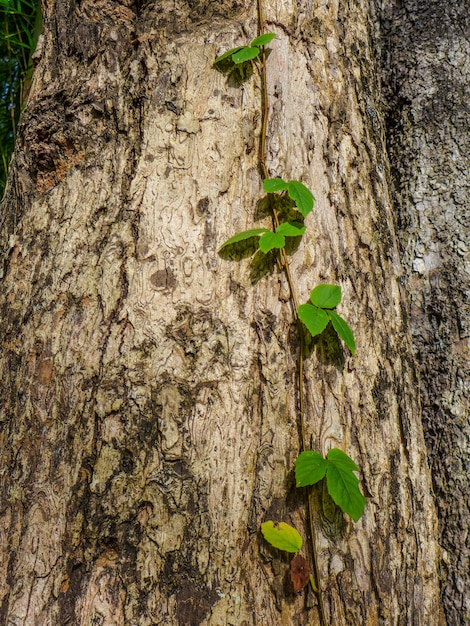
column 428, row 77
column 150, row 404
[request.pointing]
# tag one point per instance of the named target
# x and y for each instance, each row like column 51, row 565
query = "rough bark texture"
column 427, row 75
column 149, row 406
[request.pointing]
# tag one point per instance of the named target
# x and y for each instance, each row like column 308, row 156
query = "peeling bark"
column 149, row 411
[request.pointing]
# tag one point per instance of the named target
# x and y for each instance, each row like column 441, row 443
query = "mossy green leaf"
column 316, row 320
column 343, row 485
column 271, row 185
column 245, row 54
column 263, row 40
column 310, row 467
column 326, row 296
column 271, row 240
column 246, row 234
column 291, row 229
column 282, row 536
column 302, row 196
column 343, row 330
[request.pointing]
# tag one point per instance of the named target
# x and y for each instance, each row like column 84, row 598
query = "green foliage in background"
column 19, row 29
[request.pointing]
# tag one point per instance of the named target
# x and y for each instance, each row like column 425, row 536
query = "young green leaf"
column 310, row 467
column 316, row 320
column 326, row 296
column 246, row 234
column 302, row 196
column 263, row 40
column 282, row 536
column 271, row 240
column 245, row 54
column 271, row 185
column 343, row 485
column 291, row 229
column 343, row 330
column 228, row 54
column 340, row 458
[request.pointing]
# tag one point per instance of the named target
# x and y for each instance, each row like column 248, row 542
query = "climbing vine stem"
column 295, row 306
column 310, row 467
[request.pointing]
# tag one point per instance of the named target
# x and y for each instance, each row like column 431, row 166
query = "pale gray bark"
column 426, row 51
column 149, row 411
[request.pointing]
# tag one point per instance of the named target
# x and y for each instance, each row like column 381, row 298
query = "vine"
column 290, row 202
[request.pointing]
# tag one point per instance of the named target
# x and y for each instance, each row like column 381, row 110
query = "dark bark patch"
column 194, row 603
column 203, row 206
column 163, row 279
column 382, row 385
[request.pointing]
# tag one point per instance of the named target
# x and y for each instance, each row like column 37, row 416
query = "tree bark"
column 426, row 46
column 150, row 405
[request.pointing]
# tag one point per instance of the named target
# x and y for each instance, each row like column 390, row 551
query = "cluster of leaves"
column 268, row 239
column 342, row 485
column 316, row 315
column 311, row 467
column 238, row 61
column 18, row 34
column 285, row 537
column 341, row 482
column 323, row 298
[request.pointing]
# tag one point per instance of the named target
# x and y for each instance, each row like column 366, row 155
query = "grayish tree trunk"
column 149, row 405
column 427, row 80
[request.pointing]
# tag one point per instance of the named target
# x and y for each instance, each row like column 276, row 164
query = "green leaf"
column 246, row 234
column 271, row 240
column 343, row 330
column 271, row 185
column 282, row 536
column 326, row 296
column 340, row 458
column 343, row 485
column 291, row 229
column 227, row 54
column 245, row 54
column 263, row 40
column 310, row 467
column 316, row 320
column 302, row 196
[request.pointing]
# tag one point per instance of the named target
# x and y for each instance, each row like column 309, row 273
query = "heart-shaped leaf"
column 302, row 196
column 245, row 54
column 316, row 320
column 246, row 234
column 282, row 536
column 271, row 185
column 271, row 240
column 310, row 467
column 343, row 330
column 340, row 458
column 343, row 485
column 291, row 229
column 227, row 54
column 326, row 296
column 263, row 40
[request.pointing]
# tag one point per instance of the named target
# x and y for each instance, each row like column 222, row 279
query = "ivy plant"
column 298, row 192
column 311, row 467
column 269, row 239
column 319, row 313
column 242, row 54
column 341, row 482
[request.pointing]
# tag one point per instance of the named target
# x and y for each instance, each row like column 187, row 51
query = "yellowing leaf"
column 282, row 536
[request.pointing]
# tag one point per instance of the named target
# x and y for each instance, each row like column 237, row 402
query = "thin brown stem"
column 284, row 262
